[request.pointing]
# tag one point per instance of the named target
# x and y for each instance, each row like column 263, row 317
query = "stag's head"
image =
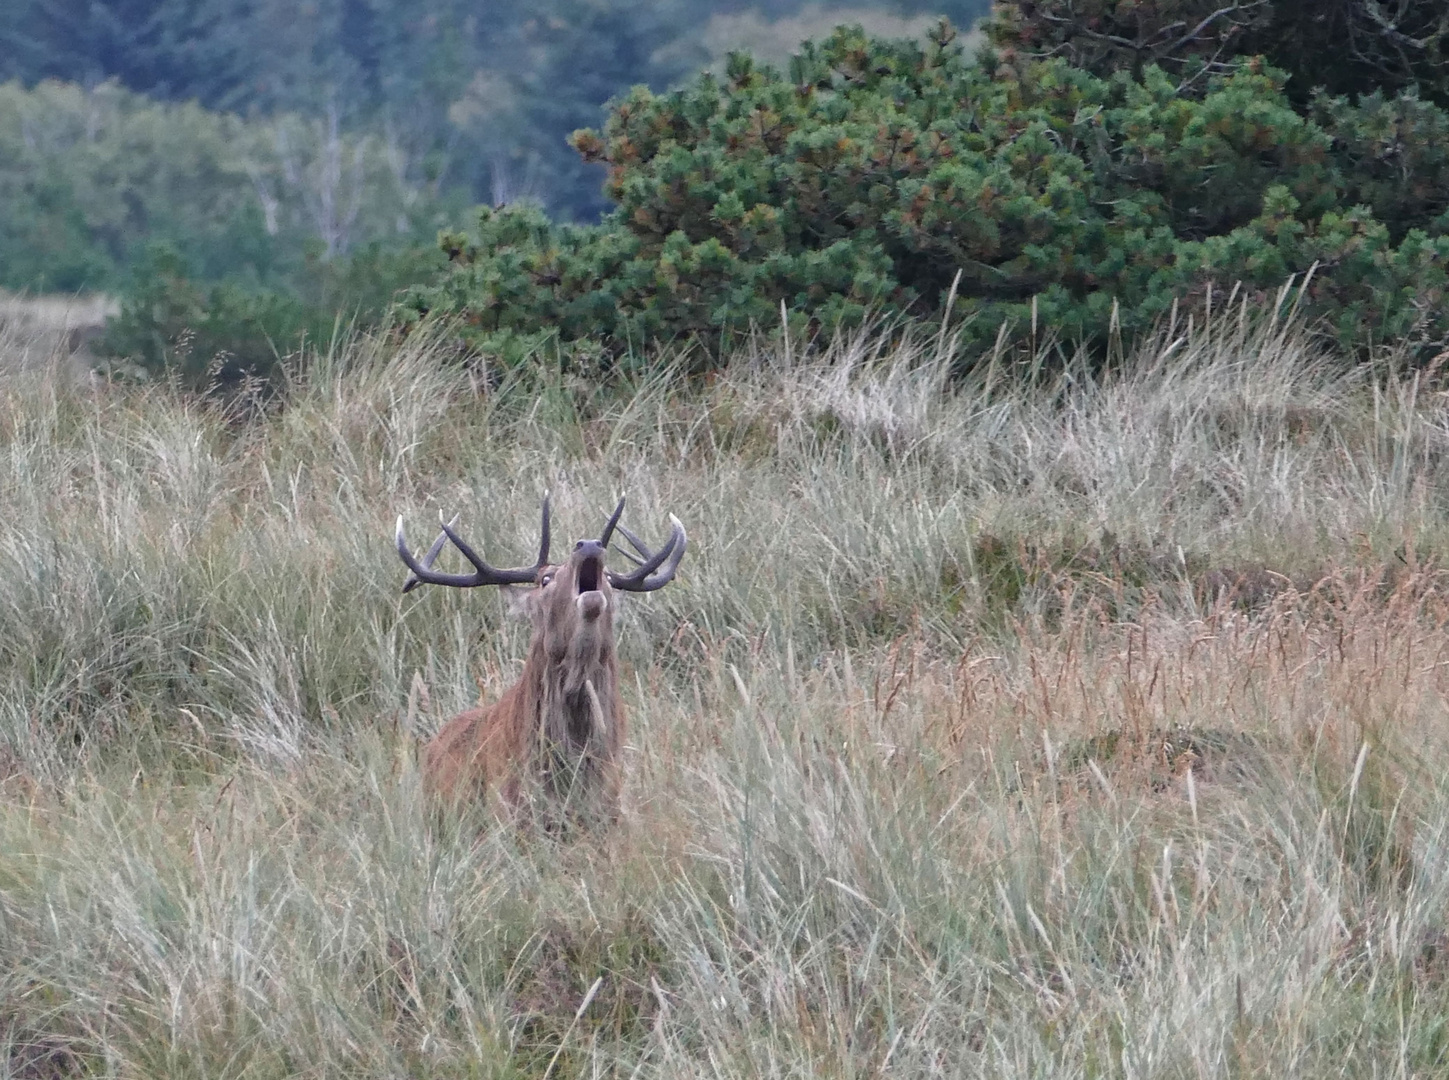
column 572, row 607
column 571, row 603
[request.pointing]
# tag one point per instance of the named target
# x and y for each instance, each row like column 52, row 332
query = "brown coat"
column 559, row 728
column 557, row 732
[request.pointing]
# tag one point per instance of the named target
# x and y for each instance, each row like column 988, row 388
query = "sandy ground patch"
column 37, row 330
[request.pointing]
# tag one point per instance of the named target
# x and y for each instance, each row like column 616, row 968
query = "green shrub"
column 44, row 236
column 218, row 334
column 879, row 175
column 1393, row 153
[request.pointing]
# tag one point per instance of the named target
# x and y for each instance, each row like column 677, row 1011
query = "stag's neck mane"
column 573, row 701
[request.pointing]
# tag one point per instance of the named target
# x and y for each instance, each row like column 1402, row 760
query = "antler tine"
column 629, row 555
column 651, row 559
column 543, row 544
column 608, row 532
column 637, row 544
column 431, row 557
column 658, row 568
column 483, row 574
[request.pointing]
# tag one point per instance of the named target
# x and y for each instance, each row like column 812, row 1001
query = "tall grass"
column 1083, row 725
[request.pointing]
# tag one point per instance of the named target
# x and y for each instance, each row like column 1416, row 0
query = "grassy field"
column 1050, row 727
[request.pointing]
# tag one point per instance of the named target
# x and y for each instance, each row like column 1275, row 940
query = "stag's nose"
column 586, row 548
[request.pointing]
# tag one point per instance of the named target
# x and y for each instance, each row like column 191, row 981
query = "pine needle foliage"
column 894, row 177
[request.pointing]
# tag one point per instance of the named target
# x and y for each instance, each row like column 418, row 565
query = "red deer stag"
column 558, row 729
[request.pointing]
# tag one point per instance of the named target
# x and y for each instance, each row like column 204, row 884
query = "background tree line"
column 244, row 171
column 93, row 177
column 476, row 95
column 1090, row 164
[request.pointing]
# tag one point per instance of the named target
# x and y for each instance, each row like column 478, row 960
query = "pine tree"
column 1351, row 47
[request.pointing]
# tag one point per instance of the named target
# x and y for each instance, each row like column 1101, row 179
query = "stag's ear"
column 521, row 600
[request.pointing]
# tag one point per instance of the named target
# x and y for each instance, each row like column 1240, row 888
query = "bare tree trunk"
column 331, row 190
column 270, row 203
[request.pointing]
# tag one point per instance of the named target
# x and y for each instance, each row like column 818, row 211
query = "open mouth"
column 590, row 572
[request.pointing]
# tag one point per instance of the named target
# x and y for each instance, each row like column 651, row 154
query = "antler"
column 665, row 560
column 609, row 525
column 483, row 574
column 413, row 580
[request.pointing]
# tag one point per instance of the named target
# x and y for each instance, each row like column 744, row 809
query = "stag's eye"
column 546, row 579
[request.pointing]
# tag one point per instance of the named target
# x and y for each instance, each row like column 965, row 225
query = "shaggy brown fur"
column 559, row 728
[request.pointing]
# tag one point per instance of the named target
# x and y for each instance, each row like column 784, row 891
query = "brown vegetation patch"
column 42, row 1057
column 1165, row 755
column 551, row 979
